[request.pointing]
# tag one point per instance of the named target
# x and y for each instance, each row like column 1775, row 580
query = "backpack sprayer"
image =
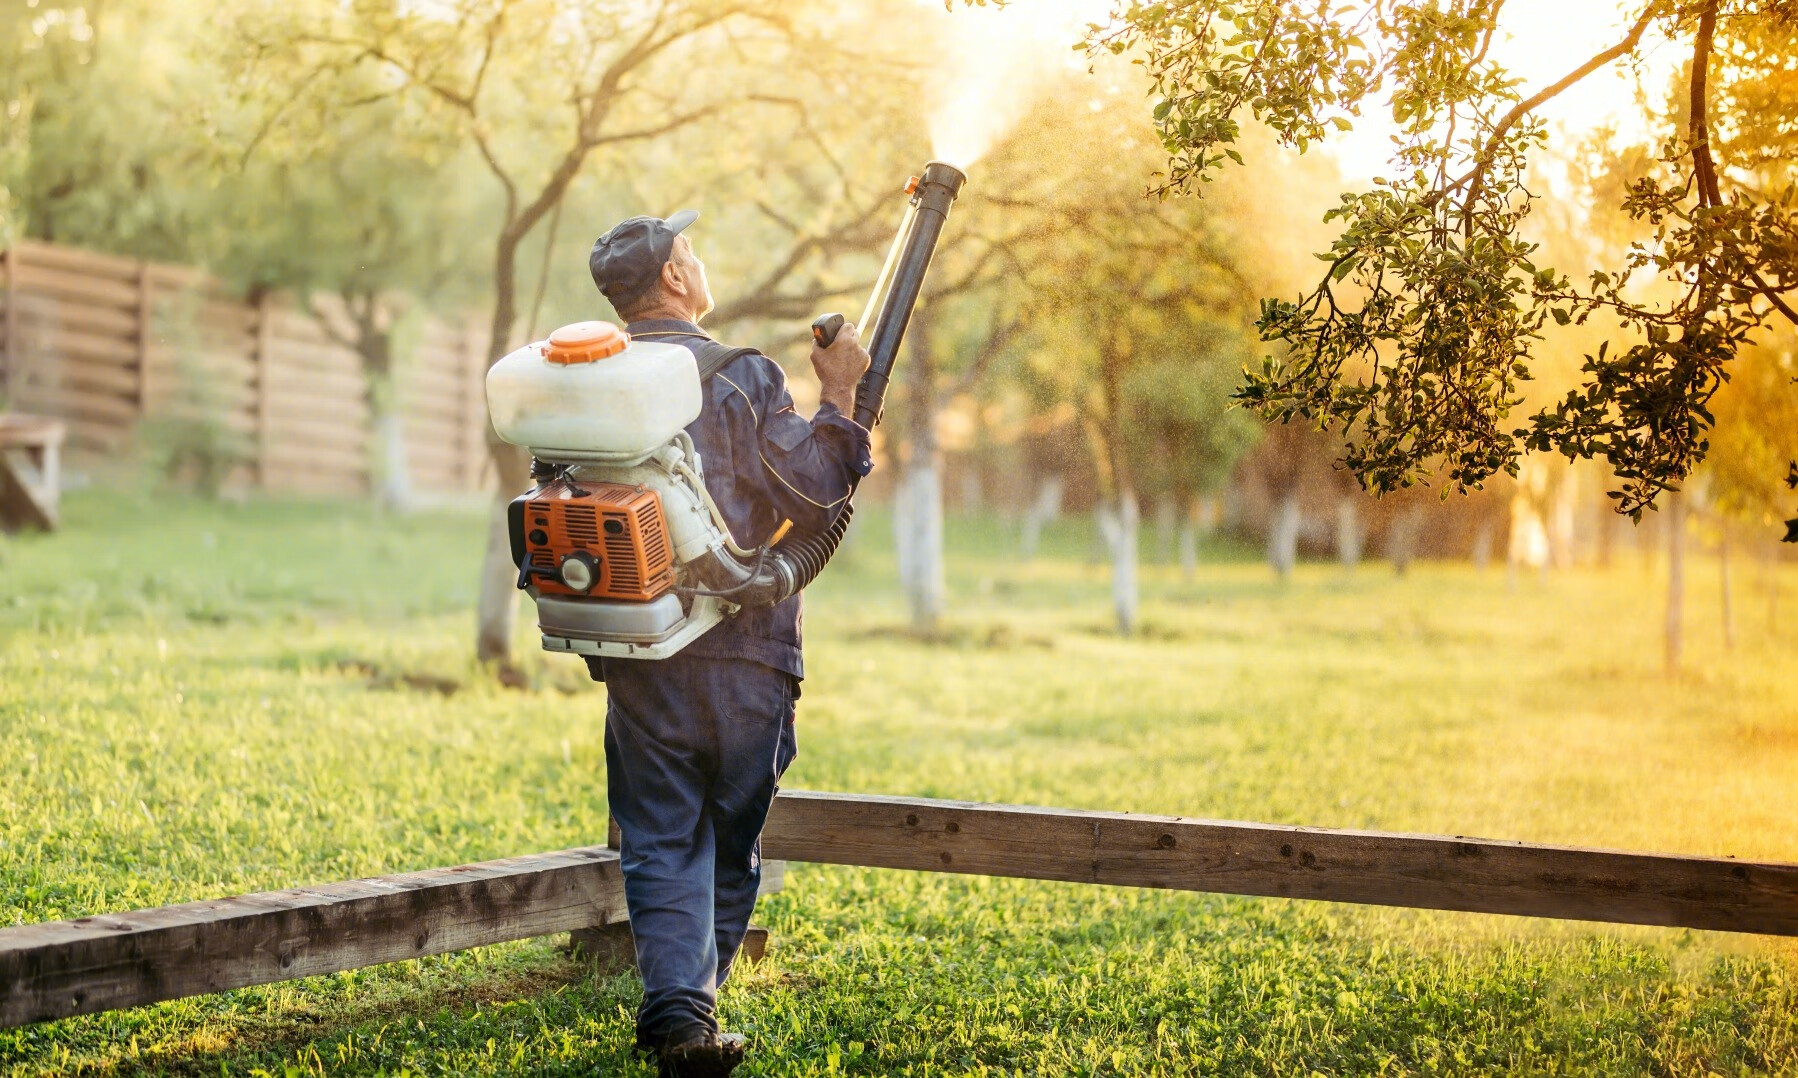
column 619, row 543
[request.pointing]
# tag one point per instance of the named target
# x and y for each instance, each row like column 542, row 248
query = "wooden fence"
column 106, row 343
column 64, row 968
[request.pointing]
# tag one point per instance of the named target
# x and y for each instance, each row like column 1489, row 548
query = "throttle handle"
column 825, row 329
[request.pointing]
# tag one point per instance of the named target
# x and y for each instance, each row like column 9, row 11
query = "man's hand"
column 840, row 367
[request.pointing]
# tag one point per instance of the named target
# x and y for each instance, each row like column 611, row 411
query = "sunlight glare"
column 995, row 63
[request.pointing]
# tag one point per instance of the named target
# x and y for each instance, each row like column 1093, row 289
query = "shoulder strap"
column 712, row 356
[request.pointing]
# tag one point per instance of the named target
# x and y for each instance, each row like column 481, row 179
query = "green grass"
column 198, row 700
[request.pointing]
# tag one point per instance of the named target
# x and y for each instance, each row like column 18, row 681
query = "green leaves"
column 1432, row 309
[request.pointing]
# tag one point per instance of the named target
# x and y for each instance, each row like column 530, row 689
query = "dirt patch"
column 389, row 679
column 982, row 637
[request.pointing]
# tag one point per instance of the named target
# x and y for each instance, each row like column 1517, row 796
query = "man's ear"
column 671, row 279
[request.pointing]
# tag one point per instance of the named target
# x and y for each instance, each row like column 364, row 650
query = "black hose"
column 805, row 554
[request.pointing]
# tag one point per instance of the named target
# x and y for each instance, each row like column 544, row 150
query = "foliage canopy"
column 1417, row 335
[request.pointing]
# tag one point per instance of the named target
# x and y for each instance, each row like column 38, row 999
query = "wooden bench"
column 30, row 470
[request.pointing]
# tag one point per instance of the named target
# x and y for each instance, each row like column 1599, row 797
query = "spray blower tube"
column 800, row 556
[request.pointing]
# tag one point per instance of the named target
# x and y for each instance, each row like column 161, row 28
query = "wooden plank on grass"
column 64, row 968
column 92, row 964
column 1424, row 871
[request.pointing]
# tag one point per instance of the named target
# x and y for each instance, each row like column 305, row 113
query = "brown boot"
column 707, row 1055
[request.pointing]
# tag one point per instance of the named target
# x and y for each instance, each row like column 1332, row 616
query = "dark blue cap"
column 627, row 260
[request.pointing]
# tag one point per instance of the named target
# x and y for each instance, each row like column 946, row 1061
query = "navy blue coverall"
column 695, row 744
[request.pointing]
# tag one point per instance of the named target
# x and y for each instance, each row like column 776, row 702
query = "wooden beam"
column 63, row 968
column 1424, row 871
column 92, row 964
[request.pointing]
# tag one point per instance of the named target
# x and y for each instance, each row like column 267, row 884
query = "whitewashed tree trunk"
column 1283, row 536
column 395, row 478
column 918, row 523
column 1676, row 581
column 1401, row 540
column 497, row 614
column 1562, row 521
column 1482, row 545
column 1189, row 539
column 1348, row 531
column 1042, row 511
column 1120, row 524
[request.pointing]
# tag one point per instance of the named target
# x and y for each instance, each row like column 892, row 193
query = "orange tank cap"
column 584, row 342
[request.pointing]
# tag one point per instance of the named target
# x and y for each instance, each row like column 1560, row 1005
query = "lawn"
column 198, row 700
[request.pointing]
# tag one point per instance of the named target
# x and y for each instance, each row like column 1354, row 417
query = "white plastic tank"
column 589, row 392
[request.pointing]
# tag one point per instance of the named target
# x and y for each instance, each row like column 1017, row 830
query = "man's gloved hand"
column 840, row 367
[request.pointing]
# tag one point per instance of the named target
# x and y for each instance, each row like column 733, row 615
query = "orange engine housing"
column 621, row 528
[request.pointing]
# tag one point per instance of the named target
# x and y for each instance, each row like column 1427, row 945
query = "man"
column 695, row 744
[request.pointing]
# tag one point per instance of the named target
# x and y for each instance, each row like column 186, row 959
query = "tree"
column 94, row 151
column 361, row 215
column 538, row 88
column 1426, row 319
column 1180, row 294
column 1185, row 436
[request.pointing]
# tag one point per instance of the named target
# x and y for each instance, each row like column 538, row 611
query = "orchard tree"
column 1106, row 354
column 538, row 88
column 1427, row 316
column 1186, row 435
column 362, row 217
column 95, row 147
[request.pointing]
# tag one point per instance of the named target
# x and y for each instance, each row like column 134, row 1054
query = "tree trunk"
column 1482, row 545
column 1348, row 531
column 395, row 488
column 918, row 530
column 1120, row 525
column 1189, row 539
column 1727, row 595
column 497, row 613
column 1042, row 511
column 1283, row 536
column 1562, row 523
column 1676, row 580
column 1401, row 541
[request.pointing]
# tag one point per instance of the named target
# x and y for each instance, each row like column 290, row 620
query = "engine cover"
column 618, row 531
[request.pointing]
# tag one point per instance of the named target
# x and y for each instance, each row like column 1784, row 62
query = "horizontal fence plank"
column 335, row 461
column 101, row 347
column 324, row 382
column 77, row 287
column 74, row 260
column 44, row 315
column 97, row 376
column 1425, row 871
column 92, row 964
column 72, row 402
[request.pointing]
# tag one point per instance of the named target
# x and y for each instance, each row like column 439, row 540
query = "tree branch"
column 1476, row 175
